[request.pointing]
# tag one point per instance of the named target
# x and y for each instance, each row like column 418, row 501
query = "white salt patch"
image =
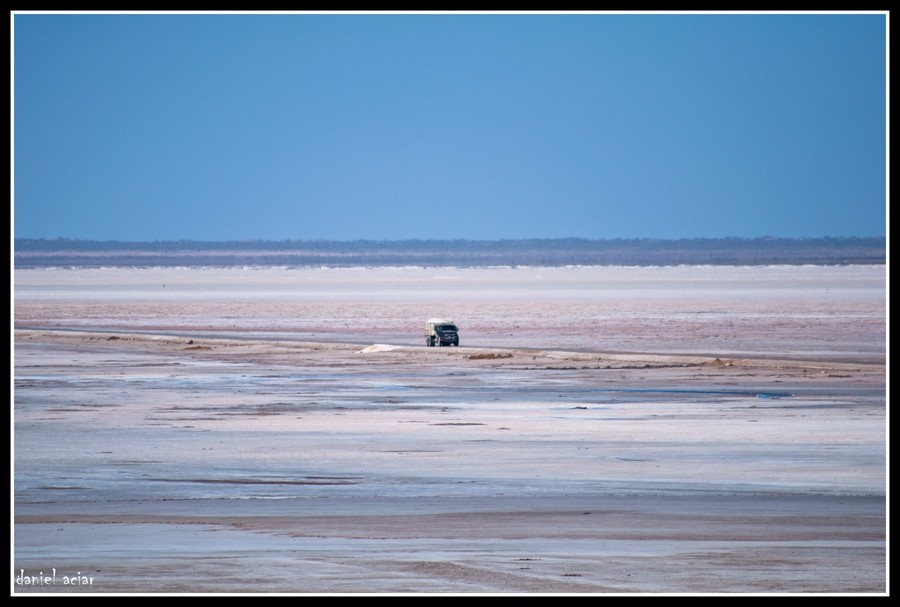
column 379, row 348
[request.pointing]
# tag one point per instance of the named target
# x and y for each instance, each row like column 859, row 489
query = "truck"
column 439, row 332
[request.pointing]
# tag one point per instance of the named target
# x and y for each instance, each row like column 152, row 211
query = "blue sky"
column 395, row 126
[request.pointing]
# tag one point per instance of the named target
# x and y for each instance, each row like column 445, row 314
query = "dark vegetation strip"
column 36, row 253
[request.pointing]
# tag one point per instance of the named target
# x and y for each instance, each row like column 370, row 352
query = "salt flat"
column 599, row 430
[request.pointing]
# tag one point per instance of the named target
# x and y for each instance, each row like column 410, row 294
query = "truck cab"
column 439, row 332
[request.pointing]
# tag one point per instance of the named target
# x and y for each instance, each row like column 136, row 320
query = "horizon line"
column 395, row 240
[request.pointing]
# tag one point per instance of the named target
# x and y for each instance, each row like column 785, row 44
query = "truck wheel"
column 429, row 341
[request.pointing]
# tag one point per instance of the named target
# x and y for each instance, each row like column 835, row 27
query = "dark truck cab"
column 441, row 333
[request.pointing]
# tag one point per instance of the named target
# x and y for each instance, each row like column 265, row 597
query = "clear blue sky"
column 344, row 127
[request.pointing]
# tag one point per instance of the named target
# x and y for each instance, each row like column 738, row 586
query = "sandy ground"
column 600, row 430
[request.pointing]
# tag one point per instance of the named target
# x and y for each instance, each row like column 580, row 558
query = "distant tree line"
column 33, row 253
